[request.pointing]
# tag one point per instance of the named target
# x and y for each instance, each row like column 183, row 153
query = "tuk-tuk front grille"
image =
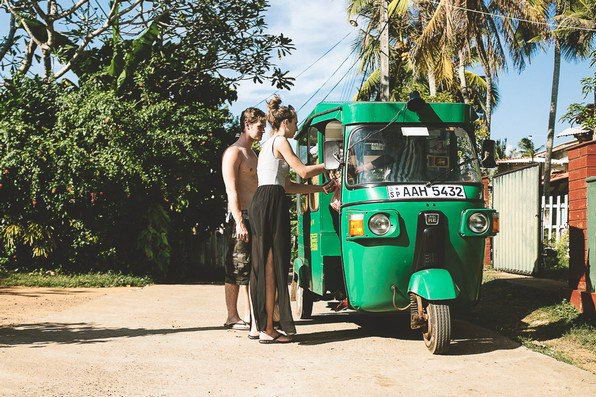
column 430, row 240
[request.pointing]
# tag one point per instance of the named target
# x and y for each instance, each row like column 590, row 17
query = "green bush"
column 90, row 180
column 561, row 246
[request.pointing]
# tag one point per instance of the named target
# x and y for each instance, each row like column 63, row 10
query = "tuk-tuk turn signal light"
column 496, row 226
column 356, row 225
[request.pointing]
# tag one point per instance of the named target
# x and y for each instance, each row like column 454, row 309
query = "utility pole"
column 384, row 43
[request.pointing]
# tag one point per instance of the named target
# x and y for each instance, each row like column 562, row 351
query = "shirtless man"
column 239, row 168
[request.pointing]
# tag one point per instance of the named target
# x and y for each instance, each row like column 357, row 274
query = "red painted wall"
column 582, row 164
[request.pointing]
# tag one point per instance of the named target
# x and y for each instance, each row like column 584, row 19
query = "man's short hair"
column 251, row 115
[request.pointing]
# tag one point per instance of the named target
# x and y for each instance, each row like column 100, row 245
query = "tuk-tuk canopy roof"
column 385, row 112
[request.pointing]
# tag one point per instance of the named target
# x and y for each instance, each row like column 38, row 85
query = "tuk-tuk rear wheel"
column 437, row 334
column 304, row 303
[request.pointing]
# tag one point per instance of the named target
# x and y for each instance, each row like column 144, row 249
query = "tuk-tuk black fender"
column 433, row 285
column 303, row 272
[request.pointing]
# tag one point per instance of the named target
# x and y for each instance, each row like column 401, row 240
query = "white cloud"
column 314, row 26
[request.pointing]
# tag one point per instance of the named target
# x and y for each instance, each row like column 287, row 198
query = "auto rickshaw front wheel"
column 437, row 332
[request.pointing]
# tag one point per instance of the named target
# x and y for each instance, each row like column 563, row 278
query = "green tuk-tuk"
column 408, row 228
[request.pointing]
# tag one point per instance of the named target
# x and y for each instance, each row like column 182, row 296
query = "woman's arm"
column 305, row 171
column 302, row 188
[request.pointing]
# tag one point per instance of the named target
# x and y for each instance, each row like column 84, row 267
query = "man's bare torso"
column 246, row 180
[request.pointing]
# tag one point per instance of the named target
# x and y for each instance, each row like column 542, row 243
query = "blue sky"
column 315, row 25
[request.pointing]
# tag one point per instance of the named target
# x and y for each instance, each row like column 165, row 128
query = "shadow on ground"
column 27, row 291
column 40, row 334
column 505, row 305
column 468, row 339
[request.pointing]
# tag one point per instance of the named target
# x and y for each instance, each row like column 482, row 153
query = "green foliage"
column 527, row 148
column 60, row 279
column 123, row 172
column 561, row 246
column 581, row 113
column 556, row 259
column 538, row 317
column 94, row 181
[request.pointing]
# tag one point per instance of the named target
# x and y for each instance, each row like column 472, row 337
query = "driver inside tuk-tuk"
column 387, row 156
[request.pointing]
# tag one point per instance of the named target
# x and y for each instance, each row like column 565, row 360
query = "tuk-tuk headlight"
column 478, row 222
column 379, row 224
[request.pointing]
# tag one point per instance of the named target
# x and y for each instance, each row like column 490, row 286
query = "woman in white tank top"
column 269, row 213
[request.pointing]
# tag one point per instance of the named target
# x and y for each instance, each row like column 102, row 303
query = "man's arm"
column 230, row 168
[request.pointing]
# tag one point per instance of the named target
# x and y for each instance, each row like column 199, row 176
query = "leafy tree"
column 225, row 39
column 501, row 149
column 122, row 169
column 584, row 114
column 573, row 44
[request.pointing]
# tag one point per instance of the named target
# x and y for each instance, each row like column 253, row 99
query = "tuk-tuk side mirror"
column 332, row 155
column 488, row 154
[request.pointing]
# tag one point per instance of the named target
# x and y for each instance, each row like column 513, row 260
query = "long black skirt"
column 269, row 215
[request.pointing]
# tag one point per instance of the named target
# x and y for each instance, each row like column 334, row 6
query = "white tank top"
column 270, row 169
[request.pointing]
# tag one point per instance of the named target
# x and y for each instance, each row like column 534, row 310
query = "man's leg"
column 237, row 279
column 231, row 291
column 244, row 303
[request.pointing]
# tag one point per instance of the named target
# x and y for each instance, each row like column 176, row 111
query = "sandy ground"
column 20, row 304
column 167, row 340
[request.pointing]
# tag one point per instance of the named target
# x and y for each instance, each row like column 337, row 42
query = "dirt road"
column 166, row 340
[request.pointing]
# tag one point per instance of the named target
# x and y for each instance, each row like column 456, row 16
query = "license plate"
column 408, row 192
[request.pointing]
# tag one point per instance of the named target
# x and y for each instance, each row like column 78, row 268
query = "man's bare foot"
column 237, row 323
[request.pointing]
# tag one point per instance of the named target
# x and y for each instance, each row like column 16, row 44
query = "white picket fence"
column 555, row 211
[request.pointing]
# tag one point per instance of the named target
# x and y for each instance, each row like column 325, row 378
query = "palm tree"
column 527, row 148
column 407, row 20
column 470, row 30
column 573, row 44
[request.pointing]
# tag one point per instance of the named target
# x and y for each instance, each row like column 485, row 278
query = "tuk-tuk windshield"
column 410, row 154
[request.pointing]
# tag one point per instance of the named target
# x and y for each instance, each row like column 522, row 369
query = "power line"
column 346, row 87
column 335, row 71
column 311, row 65
column 550, row 25
column 350, row 85
column 330, row 77
column 339, row 81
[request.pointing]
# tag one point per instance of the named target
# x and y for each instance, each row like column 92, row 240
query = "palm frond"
column 369, row 86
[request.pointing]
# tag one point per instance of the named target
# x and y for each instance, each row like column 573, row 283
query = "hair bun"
column 274, row 103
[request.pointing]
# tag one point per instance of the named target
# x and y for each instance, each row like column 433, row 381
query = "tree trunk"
column 485, row 61
column 47, row 63
column 384, row 43
column 432, row 84
column 28, row 59
column 552, row 117
column 461, row 72
column 489, row 100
